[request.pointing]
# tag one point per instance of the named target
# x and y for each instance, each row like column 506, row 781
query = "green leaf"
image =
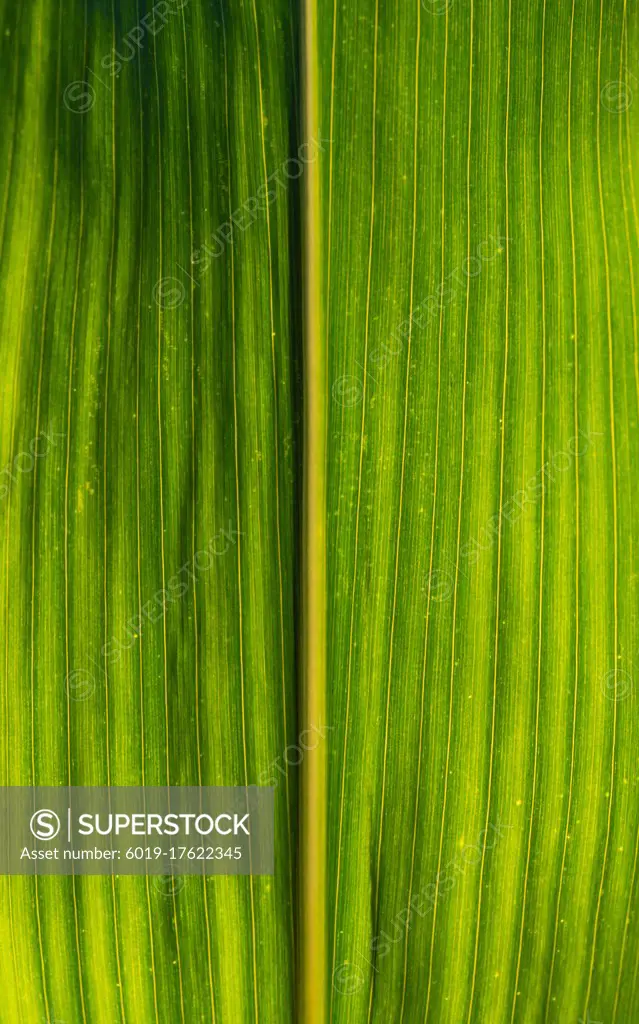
column 319, row 418
column 483, row 613
column 171, row 390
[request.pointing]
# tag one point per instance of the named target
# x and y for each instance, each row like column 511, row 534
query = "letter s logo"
column 44, row 824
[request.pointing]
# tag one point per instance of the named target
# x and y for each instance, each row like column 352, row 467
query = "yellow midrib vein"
column 312, row 1002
